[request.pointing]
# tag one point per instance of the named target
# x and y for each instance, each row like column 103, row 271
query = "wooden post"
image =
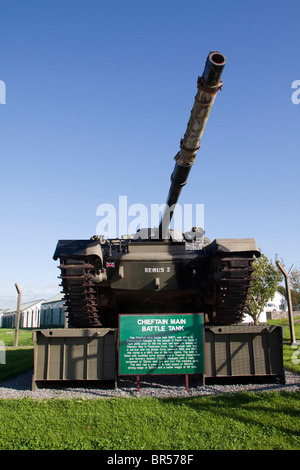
column 289, row 301
column 17, row 317
column 187, row 382
column 66, row 324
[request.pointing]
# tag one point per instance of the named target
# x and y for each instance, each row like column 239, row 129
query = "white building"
column 277, row 303
column 29, row 315
column 36, row 314
column 280, row 301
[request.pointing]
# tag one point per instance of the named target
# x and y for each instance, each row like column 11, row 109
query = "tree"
column 295, row 279
column 265, row 280
column 295, row 287
column 282, row 290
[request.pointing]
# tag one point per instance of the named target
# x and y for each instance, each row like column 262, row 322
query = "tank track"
column 232, row 288
column 80, row 292
column 228, row 292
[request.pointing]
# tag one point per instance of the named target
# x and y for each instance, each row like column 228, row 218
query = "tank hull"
column 154, row 277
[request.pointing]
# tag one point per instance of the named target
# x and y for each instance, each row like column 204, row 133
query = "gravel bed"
column 157, row 387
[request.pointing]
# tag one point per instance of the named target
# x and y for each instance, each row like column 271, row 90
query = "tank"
column 158, row 270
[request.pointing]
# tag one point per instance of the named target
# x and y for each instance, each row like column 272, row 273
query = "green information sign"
column 161, row 344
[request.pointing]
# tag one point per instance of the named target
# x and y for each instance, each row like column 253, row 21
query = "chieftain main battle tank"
column 161, row 270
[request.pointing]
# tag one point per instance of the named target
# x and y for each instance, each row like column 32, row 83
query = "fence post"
column 18, row 316
column 289, row 301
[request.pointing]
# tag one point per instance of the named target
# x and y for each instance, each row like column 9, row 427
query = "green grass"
column 7, row 336
column 17, row 360
column 238, row 421
column 285, row 323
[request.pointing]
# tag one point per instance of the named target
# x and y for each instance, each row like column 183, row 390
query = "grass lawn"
column 18, row 360
column 7, row 336
column 238, row 421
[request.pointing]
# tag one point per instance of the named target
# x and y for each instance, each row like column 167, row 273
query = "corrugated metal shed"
column 24, row 306
column 29, row 315
column 53, row 312
column 36, row 314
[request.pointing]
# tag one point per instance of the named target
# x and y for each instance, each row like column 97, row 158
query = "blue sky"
column 98, row 95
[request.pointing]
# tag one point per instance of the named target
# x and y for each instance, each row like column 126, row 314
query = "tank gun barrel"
column 208, row 85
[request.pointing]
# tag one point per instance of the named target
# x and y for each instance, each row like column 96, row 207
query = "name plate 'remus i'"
column 161, row 344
